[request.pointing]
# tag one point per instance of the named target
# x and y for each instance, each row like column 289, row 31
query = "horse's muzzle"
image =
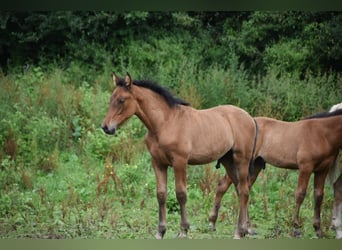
column 107, row 130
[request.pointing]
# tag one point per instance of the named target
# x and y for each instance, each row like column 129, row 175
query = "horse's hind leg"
column 337, row 207
column 303, row 180
column 239, row 176
column 221, row 189
column 240, row 172
column 318, row 197
column 259, row 164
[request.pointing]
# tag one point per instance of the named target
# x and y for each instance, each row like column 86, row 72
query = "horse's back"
column 210, row 133
column 224, row 114
column 287, row 144
column 272, row 143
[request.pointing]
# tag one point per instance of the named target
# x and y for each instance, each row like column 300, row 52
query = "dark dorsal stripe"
column 325, row 114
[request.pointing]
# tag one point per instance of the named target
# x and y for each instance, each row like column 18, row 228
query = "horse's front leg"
column 179, row 166
column 221, row 189
column 161, row 178
column 337, row 208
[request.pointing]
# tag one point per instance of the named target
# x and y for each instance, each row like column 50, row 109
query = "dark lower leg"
column 222, row 188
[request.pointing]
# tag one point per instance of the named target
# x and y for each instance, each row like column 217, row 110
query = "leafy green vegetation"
column 62, row 177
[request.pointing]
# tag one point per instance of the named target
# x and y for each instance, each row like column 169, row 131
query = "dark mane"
column 324, row 114
column 169, row 98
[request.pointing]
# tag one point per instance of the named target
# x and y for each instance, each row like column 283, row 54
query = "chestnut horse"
column 310, row 145
column 178, row 134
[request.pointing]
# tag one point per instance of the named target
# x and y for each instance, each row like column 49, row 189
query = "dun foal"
column 311, row 146
column 178, row 134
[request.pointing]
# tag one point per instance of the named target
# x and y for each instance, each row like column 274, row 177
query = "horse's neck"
column 152, row 109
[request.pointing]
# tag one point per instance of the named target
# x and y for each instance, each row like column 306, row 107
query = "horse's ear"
column 128, row 80
column 115, row 79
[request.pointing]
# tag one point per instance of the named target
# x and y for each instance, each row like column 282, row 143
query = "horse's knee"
column 161, row 197
column 243, row 190
column 223, row 184
column 181, row 196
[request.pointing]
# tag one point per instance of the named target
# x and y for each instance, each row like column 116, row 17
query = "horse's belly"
column 209, row 150
column 200, row 161
column 206, row 156
column 282, row 162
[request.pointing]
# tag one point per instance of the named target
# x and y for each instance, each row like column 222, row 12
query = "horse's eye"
column 121, row 100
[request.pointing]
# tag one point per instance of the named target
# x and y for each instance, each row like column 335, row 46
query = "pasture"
column 62, row 177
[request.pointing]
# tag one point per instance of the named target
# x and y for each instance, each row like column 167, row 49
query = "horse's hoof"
column 319, row 234
column 158, row 236
column 212, row 227
column 297, row 233
column 251, row 231
column 182, row 235
column 339, row 234
column 237, row 237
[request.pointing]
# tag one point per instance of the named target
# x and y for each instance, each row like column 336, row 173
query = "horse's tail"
column 334, row 172
column 251, row 162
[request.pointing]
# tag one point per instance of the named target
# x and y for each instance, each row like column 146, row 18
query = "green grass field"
column 62, row 177
column 82, row 199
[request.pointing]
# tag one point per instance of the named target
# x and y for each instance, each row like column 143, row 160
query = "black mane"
column 169, row 98
column 324, row 114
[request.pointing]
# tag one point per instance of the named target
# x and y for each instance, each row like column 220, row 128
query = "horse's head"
column 122, row 104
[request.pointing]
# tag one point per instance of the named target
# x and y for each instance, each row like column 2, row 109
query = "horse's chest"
column 160, row 150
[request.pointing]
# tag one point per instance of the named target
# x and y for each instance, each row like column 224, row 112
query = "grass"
column 62, row 177
column 77, row 201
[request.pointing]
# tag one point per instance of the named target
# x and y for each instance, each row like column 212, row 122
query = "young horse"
column 337, row 207
column 311, row 146
column 178, row 134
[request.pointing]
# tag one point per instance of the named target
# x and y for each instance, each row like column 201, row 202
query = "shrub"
column 289, row 57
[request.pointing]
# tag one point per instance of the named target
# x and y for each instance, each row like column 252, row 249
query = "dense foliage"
column 291, row 41
column 62, row 177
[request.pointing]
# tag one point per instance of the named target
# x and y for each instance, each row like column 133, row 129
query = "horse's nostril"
column 108, row 130
column 104, row 128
